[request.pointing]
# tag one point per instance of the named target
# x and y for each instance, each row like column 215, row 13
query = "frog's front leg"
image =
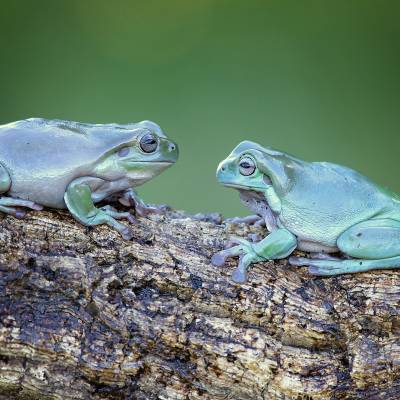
column 373, row 244
column 278, row 244
column 79, row 201
column 255, row 219
column 267, row 219
column 10, row 205
column 130, row 198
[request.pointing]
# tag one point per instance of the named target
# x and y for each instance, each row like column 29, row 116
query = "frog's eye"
column 247, row 166
column 123, row 152
column 148, row 143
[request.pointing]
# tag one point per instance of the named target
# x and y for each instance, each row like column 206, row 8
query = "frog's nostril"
column 223, row 169
column 171, row 147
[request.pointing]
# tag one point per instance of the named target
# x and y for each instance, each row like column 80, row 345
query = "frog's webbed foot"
column 9, row 205
column 240, row 247
column 110, row 215
column 114, row 213
column 130, row 198
column 255, row 219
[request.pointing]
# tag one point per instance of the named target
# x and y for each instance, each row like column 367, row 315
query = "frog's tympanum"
column 316, row 207
column 63, row 164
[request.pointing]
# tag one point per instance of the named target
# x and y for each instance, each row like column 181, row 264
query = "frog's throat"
column 258, row 203
column 243, row 187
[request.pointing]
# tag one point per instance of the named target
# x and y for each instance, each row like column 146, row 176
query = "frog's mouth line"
column 148, row 162
column 242, row 187
column 266, row 179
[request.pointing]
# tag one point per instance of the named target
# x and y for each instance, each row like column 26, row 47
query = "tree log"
column 87, row 315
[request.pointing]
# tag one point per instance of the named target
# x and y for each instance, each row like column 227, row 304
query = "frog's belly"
column 314, row 247
column 314, row 229
column 45, row 191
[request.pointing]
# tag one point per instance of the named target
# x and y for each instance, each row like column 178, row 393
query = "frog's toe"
column 325, row 270
column 31, row 205
column 324, row 256
column 234, row 241
column 9, row 203
column 131, row 218
column 299, row 261
column 112, row 212
column 239, row 241
column 229, row 244
column 125, row 215
column 239, row 275
column 321, row 267
column 111, row 218
column 261, row 222
column 15, row 212
column 36, row 207
column 254, row 237
column 145, row 210
column 126, row 233
column 250, row 220
column 218, row 259
column 19, row 214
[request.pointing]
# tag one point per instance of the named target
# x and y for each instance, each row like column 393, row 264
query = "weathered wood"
column 86, row 315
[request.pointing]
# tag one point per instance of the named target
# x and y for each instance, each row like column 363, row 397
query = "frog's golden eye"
column 148, row 143
column 247, row 166
column 124, row 151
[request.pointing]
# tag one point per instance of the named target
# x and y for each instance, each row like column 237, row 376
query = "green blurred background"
column 317, row 79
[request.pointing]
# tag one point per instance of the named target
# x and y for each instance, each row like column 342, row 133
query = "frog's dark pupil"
column 247, row 167
column 148, row 143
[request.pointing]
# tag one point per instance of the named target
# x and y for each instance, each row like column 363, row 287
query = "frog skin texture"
column 64, row 164
column 317, row 207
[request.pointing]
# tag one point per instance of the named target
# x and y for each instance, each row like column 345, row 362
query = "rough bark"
column 86, row 315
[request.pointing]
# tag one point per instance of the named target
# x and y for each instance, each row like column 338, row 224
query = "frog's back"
column 44, row 156
column 368, row 193
column 327, row 198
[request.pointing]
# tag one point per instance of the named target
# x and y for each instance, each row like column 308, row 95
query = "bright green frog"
column 63, row 164
column 316, row 207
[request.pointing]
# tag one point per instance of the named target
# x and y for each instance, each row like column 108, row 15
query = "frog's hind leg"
column 373, row 244
column 333, row 267
column 8, row 204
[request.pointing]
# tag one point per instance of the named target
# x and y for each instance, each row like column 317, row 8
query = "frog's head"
column 253, row 167
column 144, row 154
